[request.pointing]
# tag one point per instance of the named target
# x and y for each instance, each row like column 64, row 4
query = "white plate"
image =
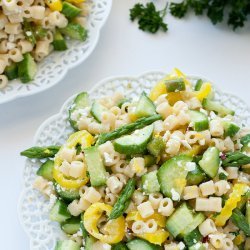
column 33, row 207
column 55, row 66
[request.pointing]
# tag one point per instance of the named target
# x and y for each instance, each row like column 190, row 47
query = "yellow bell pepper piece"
column 85, row 139
column 155, row 238
column 115, row 228
column 238, row 239
column 54, row 5
column 195, row 150
column 226, row 212
column 158, row 90
column 205, row 90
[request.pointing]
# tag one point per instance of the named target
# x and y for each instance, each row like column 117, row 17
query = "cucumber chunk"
column 135, row 143
column 217, row 107
column 156, row 146
column 183, row 221
column 195, row 177
column 199, row 120
column 89, row 243
column 46, row 170
column 75, row 31
column 11, row 71
column 59, row 42
column 248, row 212
column 230, row 129
column 193, row 237
column 59, row 212
column 150, row 182
column 245, row 140
column 175, row 85
column 96, row 169
column 69, row 10
column 96, row 110
column 139, row 244
column 210, row 161
column 67, row 195
column 67, row 245
column 145, row 107
column 71, row 226
column 27, row 68
column 122, row 101
column 80, row 102
column 198, row 246
column 172, row 175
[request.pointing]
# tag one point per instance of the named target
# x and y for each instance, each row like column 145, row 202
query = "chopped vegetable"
column 235, row 159
column 40, row 152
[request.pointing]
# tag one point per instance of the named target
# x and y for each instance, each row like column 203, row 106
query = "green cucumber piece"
column 80, row 102
column 59, row 212
column 245, row 140
column 96, row 169
column 96, row 111
column 75, row 31
column 175, row 85
column 59, row 42
column 156, row 146
column 149, row 160
column 198, row 246
column 67, row 195
column 11, row 71
column 192, row 238
column 210, row 161
column 195, row 177
column 69, row 10
column 89, row 242
column 217, row 107
column 198, row 85
column 119, row 246
column 197, row 220
column 199, row 120
column 67, row 245
column 183, row 221
column 150, row 182
column 82, row 227
column 135, row 143
column 71, row 226
column 139, row 244
column 46, row 170
column 230, row 129
column 172, row 175
column 145, row 107
column 27, row 68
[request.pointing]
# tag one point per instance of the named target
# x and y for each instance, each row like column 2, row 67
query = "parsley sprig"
column 236, row 11
column 149, row 19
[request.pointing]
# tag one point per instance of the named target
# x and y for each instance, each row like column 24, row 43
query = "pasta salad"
column 166, row 170
column 30, row 30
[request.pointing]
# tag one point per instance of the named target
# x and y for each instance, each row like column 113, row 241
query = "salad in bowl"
column 166, row 169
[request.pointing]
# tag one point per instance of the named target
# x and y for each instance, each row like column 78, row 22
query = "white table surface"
column 194, row 45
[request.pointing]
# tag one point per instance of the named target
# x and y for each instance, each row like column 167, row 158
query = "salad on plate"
column 31, row 30
column 166, row 170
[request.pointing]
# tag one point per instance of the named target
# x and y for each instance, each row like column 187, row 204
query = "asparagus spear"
column 240, row 221
column 245, row 139
column 235, row 159
column 40, row 152
column 123, row 200
column 126, row 129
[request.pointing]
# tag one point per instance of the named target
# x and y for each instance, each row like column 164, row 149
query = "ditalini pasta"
column 168, row 170
column 31, row 30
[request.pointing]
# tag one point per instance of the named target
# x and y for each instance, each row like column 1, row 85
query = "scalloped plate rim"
column 73, row 65
column 97, row 85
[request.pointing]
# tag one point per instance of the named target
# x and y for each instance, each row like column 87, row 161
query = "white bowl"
column 33, row 208
column 56, row 65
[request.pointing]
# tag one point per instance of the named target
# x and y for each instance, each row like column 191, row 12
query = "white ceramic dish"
column 33, row 207
column 55, row 66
